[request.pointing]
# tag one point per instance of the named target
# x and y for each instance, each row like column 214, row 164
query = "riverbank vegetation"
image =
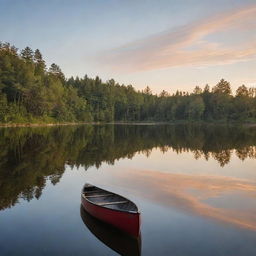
column 32, row 93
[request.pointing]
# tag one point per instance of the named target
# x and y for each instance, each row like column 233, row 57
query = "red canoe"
column 111, row 208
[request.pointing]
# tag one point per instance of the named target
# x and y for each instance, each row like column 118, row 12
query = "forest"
column 31, row 92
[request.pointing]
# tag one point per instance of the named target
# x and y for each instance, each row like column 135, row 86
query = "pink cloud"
column 169, row 48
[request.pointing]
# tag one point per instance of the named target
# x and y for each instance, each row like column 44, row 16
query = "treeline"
column 31, row 156
column 31, row 92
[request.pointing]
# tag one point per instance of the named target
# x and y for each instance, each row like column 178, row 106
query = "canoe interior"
column 108, row 199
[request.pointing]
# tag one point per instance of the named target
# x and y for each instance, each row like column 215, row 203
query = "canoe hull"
column 125, row 221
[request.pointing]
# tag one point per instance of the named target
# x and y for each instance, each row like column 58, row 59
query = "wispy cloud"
column 188, row 45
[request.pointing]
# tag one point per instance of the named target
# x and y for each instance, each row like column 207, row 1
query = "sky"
column 166, row 45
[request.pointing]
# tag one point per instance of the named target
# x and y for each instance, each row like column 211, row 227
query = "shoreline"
column 40, row 124
column 8, row 125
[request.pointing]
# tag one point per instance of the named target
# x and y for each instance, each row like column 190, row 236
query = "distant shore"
column 124, row 123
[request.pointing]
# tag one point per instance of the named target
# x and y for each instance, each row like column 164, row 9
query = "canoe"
column 111, row 208
column 120, row 242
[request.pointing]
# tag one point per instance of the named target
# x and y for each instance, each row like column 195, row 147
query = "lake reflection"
column 195, row 186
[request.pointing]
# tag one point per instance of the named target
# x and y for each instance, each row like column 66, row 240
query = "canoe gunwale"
column 114, row 210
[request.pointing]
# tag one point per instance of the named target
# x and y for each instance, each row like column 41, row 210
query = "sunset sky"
column 166, row 45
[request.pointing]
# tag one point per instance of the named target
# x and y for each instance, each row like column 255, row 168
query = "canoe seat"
column 100, row 195
column 108, row 203
column 93, row 191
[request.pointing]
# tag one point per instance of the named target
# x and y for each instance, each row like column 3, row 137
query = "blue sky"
column 167, row 45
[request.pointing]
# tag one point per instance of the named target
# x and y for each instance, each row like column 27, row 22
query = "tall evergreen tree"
column 27, row 54
column 39, row 62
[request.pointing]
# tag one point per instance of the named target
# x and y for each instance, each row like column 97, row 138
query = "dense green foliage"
column 31, row 156
column 29, row 92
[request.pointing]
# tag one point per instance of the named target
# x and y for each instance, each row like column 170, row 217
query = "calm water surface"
column 195, row 187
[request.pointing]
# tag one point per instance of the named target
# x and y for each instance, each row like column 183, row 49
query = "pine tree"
column 27, row 54
column 222, row 87
column 40, row 63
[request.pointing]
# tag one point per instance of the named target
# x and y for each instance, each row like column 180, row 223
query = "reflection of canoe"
column 111, row 208
column 115, row 239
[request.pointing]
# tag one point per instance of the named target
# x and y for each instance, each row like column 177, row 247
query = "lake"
column 195, row 186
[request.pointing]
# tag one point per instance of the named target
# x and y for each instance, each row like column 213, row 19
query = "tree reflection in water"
column 30, row 156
